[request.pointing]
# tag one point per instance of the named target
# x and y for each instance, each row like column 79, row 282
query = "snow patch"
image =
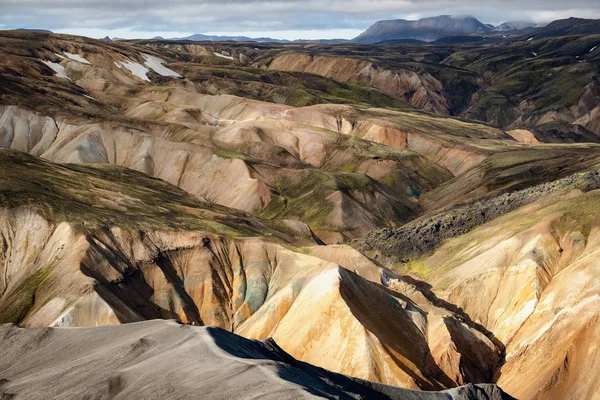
column 593, row 48
column 136, row 69
column 57, row 68
column 77, row 57
column 156, row 65
column 89, row 97
column 530, row 39
column 59, row 56
column 223, row 56
column 535, row 54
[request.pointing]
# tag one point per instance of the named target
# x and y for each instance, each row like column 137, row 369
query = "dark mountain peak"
column 427, row 29
column 570, row 26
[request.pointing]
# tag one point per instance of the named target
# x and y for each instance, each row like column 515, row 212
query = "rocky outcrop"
column 421, row 237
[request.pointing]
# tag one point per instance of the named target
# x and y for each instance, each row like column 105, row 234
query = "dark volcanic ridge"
column 421, row 237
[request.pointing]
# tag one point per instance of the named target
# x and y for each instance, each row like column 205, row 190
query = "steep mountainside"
column 570, row 26
column 229, row 150
column 89, row 246
column 531, row 277
column 423, row 29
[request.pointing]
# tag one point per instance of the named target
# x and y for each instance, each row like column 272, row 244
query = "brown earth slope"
column 88, row 246
column 531, row 278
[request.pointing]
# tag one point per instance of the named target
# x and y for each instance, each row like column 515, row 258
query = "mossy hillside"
column 549, row 74
column 19, row 301
column 92, row 197
column 306, row 198
column 464, row 227
column 445, row 127
column 290, row 88
column 577, row 214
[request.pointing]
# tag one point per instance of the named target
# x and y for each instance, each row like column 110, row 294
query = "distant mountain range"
column 215, row 38
column 433, row 28
column 427, row 29
column 397, row 31
column 512, row 26
column 198, row 37
column 443, row 29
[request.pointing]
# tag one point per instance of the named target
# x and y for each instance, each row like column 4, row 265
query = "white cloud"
column 275, row 18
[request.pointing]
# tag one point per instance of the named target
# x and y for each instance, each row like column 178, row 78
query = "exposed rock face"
column 531, row 278
column 26, row 131
column 421, row 90
column 423, row 29
column 252, row 287
column 167, row 359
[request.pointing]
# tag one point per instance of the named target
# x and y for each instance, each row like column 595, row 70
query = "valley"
column 349, row 220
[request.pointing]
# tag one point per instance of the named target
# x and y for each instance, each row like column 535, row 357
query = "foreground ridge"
column 164, row 358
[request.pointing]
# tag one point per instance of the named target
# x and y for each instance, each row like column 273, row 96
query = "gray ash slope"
column 164, row 359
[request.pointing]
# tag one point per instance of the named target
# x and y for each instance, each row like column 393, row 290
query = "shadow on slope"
column 321, row 382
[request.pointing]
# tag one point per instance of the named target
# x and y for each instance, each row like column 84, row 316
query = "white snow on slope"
column 136, row 69
column 530, row 39
column 156, row 65
column 57, row 68
column 223, row 56
column 535, row 54
column 77, row 57
column 593, row 48
column 58, row 55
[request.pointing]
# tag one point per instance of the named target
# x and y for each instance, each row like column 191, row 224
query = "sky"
column 280, row 19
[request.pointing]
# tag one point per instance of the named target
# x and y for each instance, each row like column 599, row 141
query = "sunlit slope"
column 531, row 278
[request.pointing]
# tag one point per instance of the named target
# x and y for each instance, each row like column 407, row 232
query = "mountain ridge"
column 427, row 29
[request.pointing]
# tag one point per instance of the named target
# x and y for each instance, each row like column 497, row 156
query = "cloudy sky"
column 285, row 19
